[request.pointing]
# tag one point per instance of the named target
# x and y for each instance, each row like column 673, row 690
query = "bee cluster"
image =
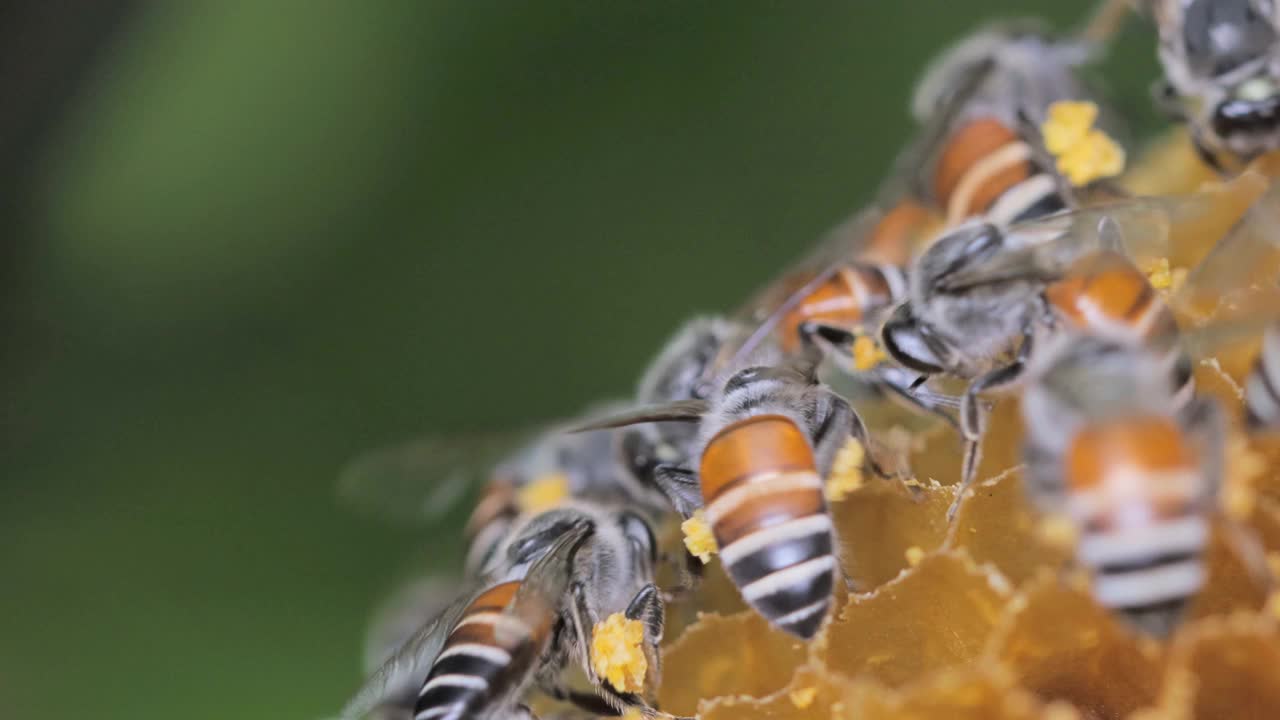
column 1000, row 446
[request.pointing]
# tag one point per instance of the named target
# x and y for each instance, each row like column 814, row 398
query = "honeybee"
column 979, row 154
column 562, row 571
column 1262, row 387
column 683, row 371
column 428, row 479
column 1221, row 61
column 767, row 438
column 981, row 297
column 1134, row 467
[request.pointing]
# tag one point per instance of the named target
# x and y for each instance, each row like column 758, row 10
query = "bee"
column 428, row 479
column 683, row 371
column 562, row 571
column 979, row 154
column 1134, row 467
column 1221, row 61
column 982, row 297
column 767, row 438
column 1262, row 386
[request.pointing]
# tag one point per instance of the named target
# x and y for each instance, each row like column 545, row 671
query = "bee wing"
column 1240, row 269
column 1145, row 230
column 424, row 479
column 402, row 614
column 409, row 664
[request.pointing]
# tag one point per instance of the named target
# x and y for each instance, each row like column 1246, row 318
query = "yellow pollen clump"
column 1084, row 153
column 543, row 492
column 803, row 697
column 698, row 538
column 914, row 555
column 1066, row 124
column 867, row 353
column 846, row 471
column 1163, row 277
column 617, row 654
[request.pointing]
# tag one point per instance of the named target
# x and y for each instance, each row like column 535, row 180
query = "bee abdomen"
column 765, row 506
column 1148, row 573
column 1261, row 394
column 982, row 161
column 477, row 664
column 845, row 299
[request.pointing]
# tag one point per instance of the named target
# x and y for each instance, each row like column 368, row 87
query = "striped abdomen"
column 489, row 522
column 986, row 169
column 1262, row 387
column 764, row 503
column 845, row 299
column 1113, row 300
column 899, row 232
column 486, row 655
column 1136, row 491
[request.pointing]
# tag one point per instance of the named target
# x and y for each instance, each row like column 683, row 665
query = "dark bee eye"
column 637, row 454
column 1235, row 116
column 906, row 343
column 530, row 548
column 742, row 378
column 639, row 533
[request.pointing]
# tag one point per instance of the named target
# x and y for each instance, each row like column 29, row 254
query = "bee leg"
column 681, row 487
column 647, row 607
column 973, row 417
column 581, row 621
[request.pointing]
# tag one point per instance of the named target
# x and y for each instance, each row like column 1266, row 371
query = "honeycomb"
column 985, row 616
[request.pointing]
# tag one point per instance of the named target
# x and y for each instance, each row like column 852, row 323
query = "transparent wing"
column 1241, row 265
column 402, row 614
column 1180, row 230
column 408, row 665
column 427, row 478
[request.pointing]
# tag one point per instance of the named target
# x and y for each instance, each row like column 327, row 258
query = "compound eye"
column 639, row 534
column 638, row 454
column 906, row 343
column 743, row 378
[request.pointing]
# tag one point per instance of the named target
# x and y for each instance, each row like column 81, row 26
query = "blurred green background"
column 264, row 236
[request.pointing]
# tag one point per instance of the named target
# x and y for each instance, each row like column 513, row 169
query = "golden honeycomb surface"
column 986, row 616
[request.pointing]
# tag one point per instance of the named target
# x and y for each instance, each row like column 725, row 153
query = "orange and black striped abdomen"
column 899, row 233
column 764, row 502
column 1135, row 489
column 490, row 520
column 845, row 299
column 982, row 160
column 487, row 651
column 1113, row 300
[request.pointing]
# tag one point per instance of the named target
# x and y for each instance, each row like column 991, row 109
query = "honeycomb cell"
column 727, row 655
column 935, row 615
column 880, row 521
column 810, row 694
column 985, row 692
column 1234, row 664
column 996, row 525
column 1060, row 645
